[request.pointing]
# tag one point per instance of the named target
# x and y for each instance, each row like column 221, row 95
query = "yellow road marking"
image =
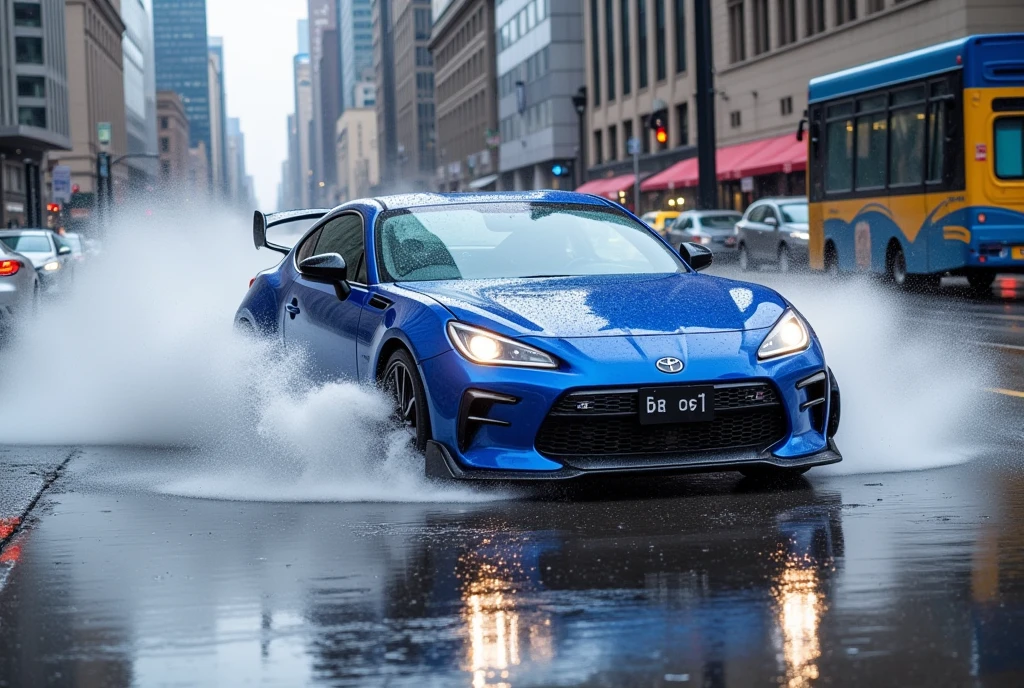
column 1007, row 392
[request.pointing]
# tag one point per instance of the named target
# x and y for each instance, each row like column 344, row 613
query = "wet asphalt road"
column 889, row 579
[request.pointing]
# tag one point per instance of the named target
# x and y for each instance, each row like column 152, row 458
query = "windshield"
column 28, row 244
column 794, row 212
column 493, row 241
column 720, row 221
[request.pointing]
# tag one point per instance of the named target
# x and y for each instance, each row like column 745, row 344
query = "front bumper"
column 504, row 445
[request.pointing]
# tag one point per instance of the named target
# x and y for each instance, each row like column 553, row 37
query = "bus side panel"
column 948, row 231
column 860, row 231
column 816, row 238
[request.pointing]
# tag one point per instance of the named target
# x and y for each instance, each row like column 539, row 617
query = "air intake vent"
column 1005, row 70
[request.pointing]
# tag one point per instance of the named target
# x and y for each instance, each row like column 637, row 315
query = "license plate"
column 677, row 404
column 1017, row 253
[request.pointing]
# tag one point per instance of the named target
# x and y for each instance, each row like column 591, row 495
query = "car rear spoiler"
column 262, row 222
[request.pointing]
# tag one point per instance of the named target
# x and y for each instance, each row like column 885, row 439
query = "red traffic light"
column 661, row 135
column 75, row 188
column 53, row 207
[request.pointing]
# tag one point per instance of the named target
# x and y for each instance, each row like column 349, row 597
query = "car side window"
column 687, row 225
column 770, row 212
column 757, row 214
column 344, row 235
column 306, row 249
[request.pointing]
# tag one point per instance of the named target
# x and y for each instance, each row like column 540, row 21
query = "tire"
column 743, row 259
column 785, row 261
column 896, row 267
column 773, row 474
column 401, row 381
column 981, row 282
column 831, row 261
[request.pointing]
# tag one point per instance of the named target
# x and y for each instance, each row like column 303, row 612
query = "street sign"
column 103, row 132
column 747, row 184
column 633, row 146
column 61, row 184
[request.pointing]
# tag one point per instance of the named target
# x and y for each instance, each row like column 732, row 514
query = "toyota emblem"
column 669, row 364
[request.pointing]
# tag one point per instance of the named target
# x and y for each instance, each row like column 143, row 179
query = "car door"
column 63, row 254
column 751, row 230
column 769, row 247
column 316, row 320
column 681, row 231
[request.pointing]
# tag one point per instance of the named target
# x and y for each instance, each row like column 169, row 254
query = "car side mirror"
column 696, row 256
column 771, row 222
column 63, row 250
column 329, row 268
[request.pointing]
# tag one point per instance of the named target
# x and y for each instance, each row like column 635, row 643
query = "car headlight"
column 51, row 266
column 789, row 336
column 800, row 235
column 481, row 346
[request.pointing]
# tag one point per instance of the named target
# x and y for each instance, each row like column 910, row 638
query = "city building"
column 405, row 93
column 173, row 140
column 95, row 73
column 765, row 52
column 218, row 114
column 462, row 46
column 182, row 61
column 325, row 76
column 238, row 191
column 302, row 170
column 218, row 136
column 33, row 105
column 356, row 153
column 139, row 92
column 198, row 184
column 291, row 181
column 540, row 69
column 355, row 28
column 365, row 93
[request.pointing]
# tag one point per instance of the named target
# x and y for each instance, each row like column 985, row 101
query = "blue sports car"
column 547, row 335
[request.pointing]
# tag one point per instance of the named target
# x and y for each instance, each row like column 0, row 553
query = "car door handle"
column 293, row 309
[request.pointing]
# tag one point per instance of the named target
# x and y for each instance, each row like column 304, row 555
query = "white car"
column 773, row 231
column 49, row 254
column 19, row 287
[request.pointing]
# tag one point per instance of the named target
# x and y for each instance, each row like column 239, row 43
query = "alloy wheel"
column 402, row 389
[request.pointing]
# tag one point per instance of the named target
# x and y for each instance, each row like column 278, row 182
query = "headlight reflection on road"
column 499, row 634
column 800, row 605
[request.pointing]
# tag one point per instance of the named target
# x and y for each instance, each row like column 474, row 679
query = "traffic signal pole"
column 707, row 196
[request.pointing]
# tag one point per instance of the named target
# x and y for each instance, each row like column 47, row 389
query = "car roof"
column 712, row 211
column 420, row 200
column 782, row 199
column 25, row 232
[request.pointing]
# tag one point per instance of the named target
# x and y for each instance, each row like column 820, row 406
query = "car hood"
column 39, row 259
column 607, row 305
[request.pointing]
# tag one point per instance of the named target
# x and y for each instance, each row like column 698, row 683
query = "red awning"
column 765, row 156
column 608, row 187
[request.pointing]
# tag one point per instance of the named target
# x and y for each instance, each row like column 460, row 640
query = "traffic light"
column 659, row 124
column 561, row 169
column 53, row 207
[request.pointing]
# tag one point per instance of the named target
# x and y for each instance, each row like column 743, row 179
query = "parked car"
column 79, row 249
column 515, row 335
column 715, row 229
column 773, row 231
column 659, row 220
column 49, row 254
column 19, row 286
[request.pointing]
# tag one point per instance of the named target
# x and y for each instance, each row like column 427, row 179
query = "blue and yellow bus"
column 915, row 164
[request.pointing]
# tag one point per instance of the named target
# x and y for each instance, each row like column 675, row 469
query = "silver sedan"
column 19, row 287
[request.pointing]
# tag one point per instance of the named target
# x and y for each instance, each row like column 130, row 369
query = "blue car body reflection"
column 606, row 336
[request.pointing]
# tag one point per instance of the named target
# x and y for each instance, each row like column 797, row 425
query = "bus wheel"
column 981, row 282
column 784, row 261
column 896, row 266
column 744, row 258
column 831, row 260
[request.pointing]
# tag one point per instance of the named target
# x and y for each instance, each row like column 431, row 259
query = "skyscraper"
column 139, row 89
column 182, row 61
column 323, row 61
column 355, row 28
column 218, row 112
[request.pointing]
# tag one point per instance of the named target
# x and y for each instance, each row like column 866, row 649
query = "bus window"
column 871, row 142
column 1009, row 135
column 937, row 140
column 839, row 148
column 906, row 159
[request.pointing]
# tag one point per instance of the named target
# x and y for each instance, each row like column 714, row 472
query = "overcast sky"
column 260, row 39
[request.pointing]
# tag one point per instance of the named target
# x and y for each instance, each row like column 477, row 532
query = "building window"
column 627, row 134
column 786, row 106
column 875, row 6
column 846, row 11
column 609, row 36
column 737, row 32
column 645, row 134
column 735, row 119
column 165, row 144
column 627, row 68
column 165, row 123
column 28, row 50
column 787, row 22
column 595, row 53
column 683, row 123
column 680, row 36
column 598, row 148
column 762, row 40
column 32, row 117
column 423, row 58
column 422, row 22
column 613, row 142
column 28, row 14
column 641, row 40
column 815, row 14
column 659, row 38
column 31, row 87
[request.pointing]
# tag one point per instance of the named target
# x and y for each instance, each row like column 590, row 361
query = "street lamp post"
column 579, row 101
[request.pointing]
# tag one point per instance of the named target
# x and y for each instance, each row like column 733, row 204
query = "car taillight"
column 251, row 281
column 9, row 267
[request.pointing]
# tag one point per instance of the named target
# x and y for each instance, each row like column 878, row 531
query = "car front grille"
column 606, row 423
